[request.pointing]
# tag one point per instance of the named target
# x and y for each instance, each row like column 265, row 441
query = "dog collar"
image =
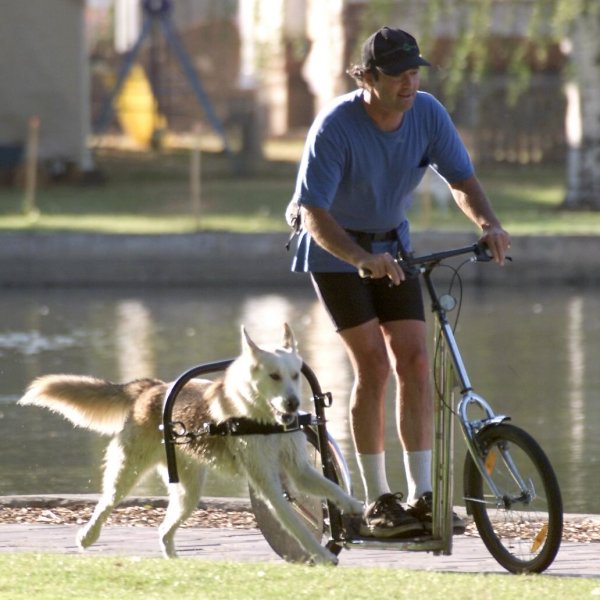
column 244, row 426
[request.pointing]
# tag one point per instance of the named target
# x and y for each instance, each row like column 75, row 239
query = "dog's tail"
column 87, row 402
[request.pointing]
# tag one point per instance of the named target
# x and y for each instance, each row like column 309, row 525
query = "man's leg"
column 407, row 341
column 352, row 306
column 384, row 516
column 368, row 355
column 414, row 406
column 367, row 352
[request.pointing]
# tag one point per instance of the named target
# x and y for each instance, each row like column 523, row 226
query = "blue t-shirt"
column 365, row 176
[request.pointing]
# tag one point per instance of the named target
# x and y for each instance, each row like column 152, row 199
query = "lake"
column 533, row 353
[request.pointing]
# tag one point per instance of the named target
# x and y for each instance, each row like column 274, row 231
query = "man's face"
column 395, row 93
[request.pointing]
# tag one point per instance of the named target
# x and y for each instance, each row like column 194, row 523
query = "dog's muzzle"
column 290, row 413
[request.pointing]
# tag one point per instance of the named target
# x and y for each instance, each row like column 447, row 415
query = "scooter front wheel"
column 521, row 521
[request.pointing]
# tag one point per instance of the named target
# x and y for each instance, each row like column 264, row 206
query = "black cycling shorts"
column 351, row 300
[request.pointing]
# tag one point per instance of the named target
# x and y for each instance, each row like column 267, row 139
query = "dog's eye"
column 275, row 376
column 295, row 376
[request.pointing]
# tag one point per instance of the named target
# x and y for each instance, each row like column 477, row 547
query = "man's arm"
column 472, row 200
column 326, row 232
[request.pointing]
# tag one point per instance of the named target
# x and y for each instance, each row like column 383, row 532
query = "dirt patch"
column 131, row 516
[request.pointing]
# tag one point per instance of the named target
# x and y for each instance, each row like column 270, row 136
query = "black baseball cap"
column 392, row 51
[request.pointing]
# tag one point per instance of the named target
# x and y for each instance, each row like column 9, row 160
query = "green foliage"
column 539, row 23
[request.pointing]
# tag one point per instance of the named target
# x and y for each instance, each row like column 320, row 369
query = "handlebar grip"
column 482, row 253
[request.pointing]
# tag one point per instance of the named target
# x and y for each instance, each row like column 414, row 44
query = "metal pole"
column 443, row 449
column 107, row 109
column 31, row 165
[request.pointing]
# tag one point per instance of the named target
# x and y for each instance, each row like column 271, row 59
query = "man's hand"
column 376, row 266
column 497, row 241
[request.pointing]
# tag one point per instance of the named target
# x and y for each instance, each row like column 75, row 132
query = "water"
column 533, row 353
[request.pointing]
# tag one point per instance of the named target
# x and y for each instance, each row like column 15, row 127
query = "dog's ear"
column 247, row 344
column 289, row 341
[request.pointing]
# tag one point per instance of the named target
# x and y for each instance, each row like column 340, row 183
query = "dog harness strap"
column 245, row 426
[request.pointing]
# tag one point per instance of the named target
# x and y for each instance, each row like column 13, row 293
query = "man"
column 363, row 158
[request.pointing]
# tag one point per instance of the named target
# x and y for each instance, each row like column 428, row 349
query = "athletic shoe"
column 386, row 518
column 423, row 510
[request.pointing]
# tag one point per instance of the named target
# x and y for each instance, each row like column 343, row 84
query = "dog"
column 262, row 384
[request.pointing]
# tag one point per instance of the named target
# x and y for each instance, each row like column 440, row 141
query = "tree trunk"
column 583, row 116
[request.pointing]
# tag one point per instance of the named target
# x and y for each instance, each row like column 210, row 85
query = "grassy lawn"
column 56, row 576
column 147, row 192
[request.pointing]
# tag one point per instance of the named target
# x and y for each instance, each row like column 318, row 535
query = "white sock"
column 372, row 472
column 417, row 465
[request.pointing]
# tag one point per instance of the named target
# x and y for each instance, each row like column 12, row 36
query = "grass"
column 149, row 193
column 146, row 192
column 51, row 576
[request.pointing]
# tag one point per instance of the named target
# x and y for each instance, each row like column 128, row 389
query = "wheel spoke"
column 522, row 525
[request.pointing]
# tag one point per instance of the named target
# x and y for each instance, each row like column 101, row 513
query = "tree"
column 575, row 24
column 583, row 112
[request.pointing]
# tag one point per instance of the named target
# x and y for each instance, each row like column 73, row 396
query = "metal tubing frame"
column 170, row 397
column 451, row 373
column 443, row 450
column 161, row 14
column 319, row 400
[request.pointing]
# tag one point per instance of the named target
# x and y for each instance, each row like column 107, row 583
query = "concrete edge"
column 223, row 258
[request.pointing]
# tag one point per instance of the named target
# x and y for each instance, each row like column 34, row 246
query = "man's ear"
column 370, row 76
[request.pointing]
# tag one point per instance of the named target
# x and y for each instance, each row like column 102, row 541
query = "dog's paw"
column 352, row 507
column 85, row 538
column 325, row 558
column 167, row 548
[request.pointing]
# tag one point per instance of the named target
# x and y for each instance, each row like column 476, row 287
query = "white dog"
column 261, row 384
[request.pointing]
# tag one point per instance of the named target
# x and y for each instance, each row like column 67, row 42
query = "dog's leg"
column 125, row 462
column 183, row 500
column 264, row 478
column 311, row 481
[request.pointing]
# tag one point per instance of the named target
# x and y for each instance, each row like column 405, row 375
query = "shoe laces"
column 426, row 501
column 390, row 504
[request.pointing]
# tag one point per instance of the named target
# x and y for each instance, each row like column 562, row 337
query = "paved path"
column 469, row 554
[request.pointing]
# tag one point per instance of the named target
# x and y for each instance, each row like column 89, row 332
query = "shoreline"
column 223, row 258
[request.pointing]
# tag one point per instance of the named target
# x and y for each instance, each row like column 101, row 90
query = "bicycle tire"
column 524, row 534
column 313, row 511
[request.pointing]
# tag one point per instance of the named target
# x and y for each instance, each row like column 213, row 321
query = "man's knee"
column 374, row 365
column 414, row 366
